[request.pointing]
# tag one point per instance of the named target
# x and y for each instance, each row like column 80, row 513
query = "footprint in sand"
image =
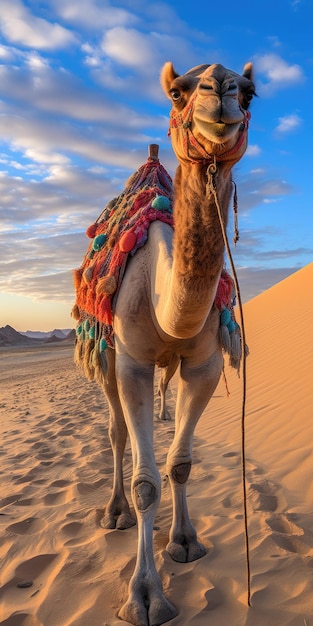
column 22, row 619
column 25, row 502
column 10, row 500
column 66, row 432
column 27, row 572
column 229, row 455
column 234, row 457
column 288, row 536
column 27, row 478
column 60, row 483
column 263, row 496
column 28, row 526
column 74, row 533
column 85, row 488
column 56, row 498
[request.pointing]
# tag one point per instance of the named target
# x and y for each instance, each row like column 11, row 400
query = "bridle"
column 182, row 120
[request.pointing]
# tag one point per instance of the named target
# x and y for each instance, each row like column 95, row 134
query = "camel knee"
column 145, row 495
column 180, row 473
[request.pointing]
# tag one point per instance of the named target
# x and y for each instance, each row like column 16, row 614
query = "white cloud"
column 128, row 47
column 20, row 26
column 288, row 123
column 40, row 156
column 278, row 73
column 35, row 61
column 253, row 150
column 270, row 200
column 274, row 41
column 6, row 53
column 62, row 93
column 295, row 4
column 258, row 187
column 94, row 15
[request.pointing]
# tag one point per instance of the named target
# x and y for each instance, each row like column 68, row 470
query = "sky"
column 80, row 101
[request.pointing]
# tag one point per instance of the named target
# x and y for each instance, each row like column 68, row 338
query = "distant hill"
column 54, row 338
column 11, row 337
column 71, row 334
column 38, row 334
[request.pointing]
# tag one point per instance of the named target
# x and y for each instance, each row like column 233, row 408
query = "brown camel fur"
column 165, row 312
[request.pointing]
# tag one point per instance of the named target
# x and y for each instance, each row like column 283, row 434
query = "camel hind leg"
column 196, row 386
column 166, row 374
column 117, row 512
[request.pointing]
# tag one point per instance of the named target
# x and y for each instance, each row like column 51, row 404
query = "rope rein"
column 211, row 171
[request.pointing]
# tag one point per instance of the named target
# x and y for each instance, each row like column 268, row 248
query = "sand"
column 56, row 475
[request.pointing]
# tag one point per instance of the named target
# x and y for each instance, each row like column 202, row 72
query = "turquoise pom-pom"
column 79, row 329
column 92, row 332
column 99, row 242
column 231, row 326
column 225, row 317
column 161, row 203
column 102, row 345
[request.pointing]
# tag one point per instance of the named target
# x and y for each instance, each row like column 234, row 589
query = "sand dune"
column 60, row 568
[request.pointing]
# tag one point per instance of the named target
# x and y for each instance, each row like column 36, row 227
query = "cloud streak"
column 288, row 123
column 20, row 26
column 277, row 73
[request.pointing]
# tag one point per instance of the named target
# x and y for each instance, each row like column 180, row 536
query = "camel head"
column 209, row 113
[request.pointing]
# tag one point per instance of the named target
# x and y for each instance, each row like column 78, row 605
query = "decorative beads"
column 102, row 345
column 99, row 242
column 161, row 203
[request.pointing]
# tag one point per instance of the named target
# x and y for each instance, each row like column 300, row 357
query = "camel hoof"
column 133, row 613
column 125, row 520
column 137, row 613
column 165, row 416
column 185, row 553
column 120, row 522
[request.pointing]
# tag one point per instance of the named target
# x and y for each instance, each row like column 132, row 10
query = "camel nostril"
column 206, row 86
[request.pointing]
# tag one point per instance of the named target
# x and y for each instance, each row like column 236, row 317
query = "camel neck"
column 198, row 249
column 198, row 240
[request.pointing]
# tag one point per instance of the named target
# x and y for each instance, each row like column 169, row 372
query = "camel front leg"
column 117, row 512
column 146, row 604
column 195, row 389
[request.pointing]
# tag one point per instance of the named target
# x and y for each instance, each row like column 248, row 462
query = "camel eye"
column 175, row 95
column 249, row 95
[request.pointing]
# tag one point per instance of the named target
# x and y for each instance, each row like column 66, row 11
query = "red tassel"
column 224, row 291
column 104, row 311
column 77, row 277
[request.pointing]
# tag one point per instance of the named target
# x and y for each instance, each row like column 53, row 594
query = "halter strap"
column 182, row 120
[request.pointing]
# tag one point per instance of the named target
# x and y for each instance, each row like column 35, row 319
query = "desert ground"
column 60, row 568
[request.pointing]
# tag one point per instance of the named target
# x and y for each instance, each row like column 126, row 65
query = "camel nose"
column 217, row 80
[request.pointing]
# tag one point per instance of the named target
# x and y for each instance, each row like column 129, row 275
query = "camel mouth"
column 217, row 132
column 220, row 128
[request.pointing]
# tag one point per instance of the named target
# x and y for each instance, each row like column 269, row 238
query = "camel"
column 166, row 314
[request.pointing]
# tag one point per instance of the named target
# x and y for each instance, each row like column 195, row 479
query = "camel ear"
column 168, row 74
column 248, row 71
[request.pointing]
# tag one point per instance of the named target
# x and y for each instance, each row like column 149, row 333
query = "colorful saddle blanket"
column 119, row 231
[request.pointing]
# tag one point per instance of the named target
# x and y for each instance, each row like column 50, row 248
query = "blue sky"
column 80, row 101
